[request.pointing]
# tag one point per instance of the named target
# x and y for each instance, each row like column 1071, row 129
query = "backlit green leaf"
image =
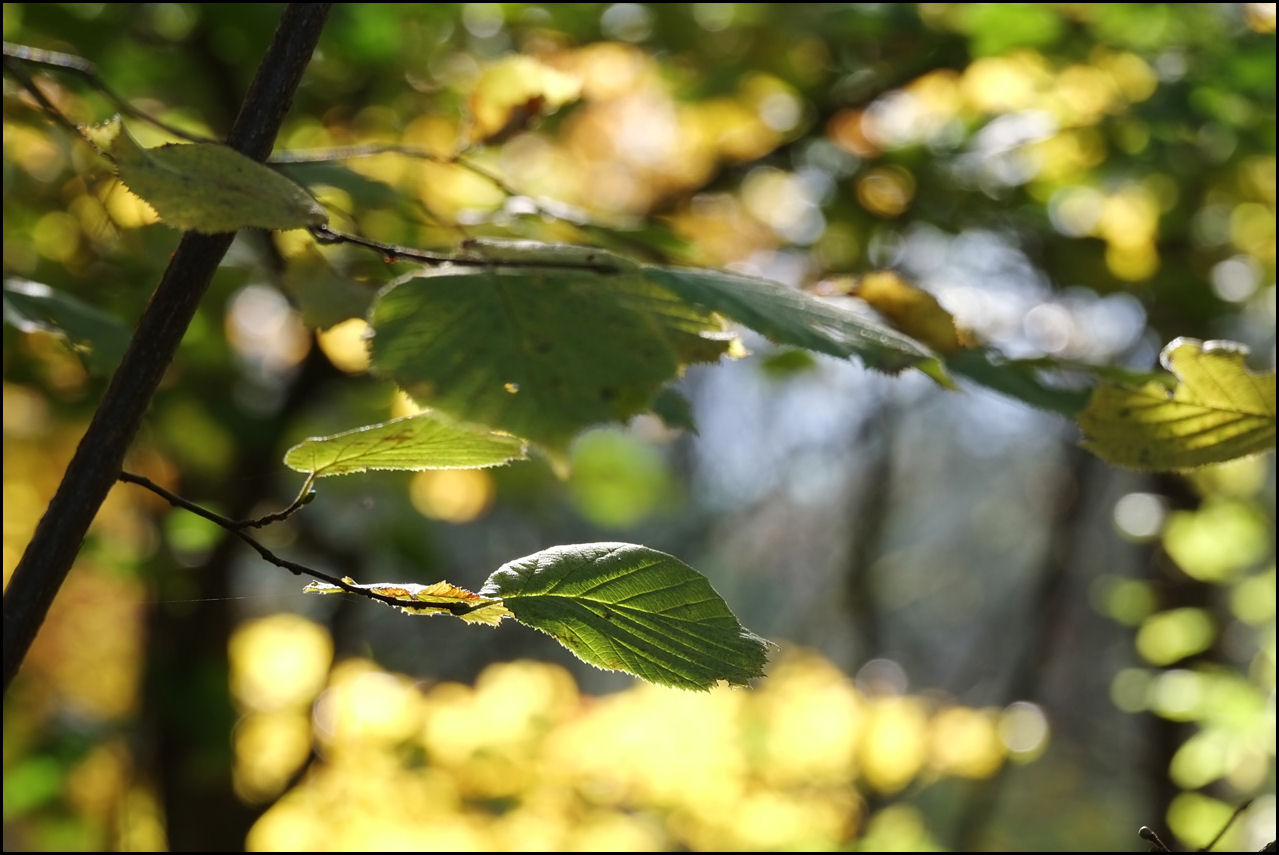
column 539, row 351
column 1218, row 411
column 424, row 441
column 624, row 607
column 208, row 187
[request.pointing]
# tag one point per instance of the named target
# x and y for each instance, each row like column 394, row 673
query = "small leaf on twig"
column 424, row 441
column 207, row 187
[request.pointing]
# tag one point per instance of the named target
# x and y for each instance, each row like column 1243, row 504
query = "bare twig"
column 48, row 106
column 305, row 495
column 475, row 258
column 237, row 528
column 548, row 208
column 1147, row 834
column 81, row 66
column 1220, row 834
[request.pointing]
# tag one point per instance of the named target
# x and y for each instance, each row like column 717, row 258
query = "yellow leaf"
column 1218, row 411
column 515, row 90
column 440, row 598
column 912, row 311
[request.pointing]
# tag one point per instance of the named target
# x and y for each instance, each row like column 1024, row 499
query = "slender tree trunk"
column 97, row 461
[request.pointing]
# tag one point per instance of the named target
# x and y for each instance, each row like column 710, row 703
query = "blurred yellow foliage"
column 521, row 760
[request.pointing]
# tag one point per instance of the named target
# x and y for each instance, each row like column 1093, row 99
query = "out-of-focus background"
column 986, row 638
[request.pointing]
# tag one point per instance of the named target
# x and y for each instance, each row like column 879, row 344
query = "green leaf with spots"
column 1217, row 411
column 424, row 441
column 788, row 316
column 535, row 349
column 628, row 608
column 207, row 187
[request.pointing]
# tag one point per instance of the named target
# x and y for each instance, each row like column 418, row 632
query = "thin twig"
column 81, row 66
column 1220, row 834
column 393, row 252
column 237, row 528
column 1147, row 834
column 305, row 495
column 48, row 106
column 548, row 208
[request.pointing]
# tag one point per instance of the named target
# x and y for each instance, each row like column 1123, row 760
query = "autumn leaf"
column 911, row 310
column 440, row 598
column 1217, row 411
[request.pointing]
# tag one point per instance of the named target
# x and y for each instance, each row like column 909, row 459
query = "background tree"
column 1072, row 182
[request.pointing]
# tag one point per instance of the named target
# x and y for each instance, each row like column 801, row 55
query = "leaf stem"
column 305, row 495
column 237, row 528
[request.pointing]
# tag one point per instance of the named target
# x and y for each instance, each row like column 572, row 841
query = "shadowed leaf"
column 99, row 339
column 541, row 352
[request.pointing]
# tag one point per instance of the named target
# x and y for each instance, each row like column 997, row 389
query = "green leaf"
column 99, row 339
column 1218, row 411
column 788, row 316
column 208, row 187
column 326, row 297
column 624, row 607
column 1020, row 379
column 365, row 192
column 674, row 410
column 539, row 351
column 424, row 441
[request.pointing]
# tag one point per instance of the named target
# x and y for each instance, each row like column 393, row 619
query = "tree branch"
column 97, row 461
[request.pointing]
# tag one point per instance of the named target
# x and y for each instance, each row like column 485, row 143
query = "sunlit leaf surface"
column 624, row 607
column 540, row 352
column 424, row 441
column 440, row 598
column 1217, row 412
column 208, row 187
